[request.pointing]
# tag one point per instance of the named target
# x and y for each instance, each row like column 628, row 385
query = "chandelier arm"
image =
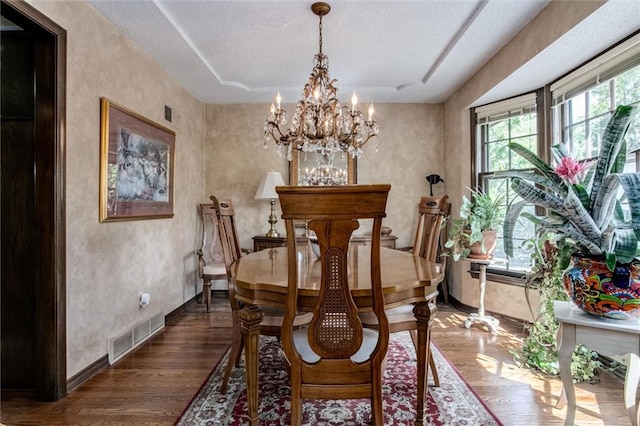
column 371, row 135
column 344, row 142
column 282, row 139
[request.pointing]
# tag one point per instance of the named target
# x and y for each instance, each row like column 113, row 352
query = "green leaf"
column 606, row 203
column 531, row 177
column 556, row 181
column 625, row 245
column 612, row 141
column 538, row 196
column 580, row 217
column 621, row 159
column 559, row 151
column 509, row 224
column 610, row 260
column 582, row 194
column 569, row 230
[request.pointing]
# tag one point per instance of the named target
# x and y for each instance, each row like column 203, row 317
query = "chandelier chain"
column 320, row 31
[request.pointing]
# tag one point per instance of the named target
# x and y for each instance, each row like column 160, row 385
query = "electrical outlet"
column 144, row 299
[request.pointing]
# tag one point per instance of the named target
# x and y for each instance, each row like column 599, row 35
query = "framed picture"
column 312, row 168
column 136, row 166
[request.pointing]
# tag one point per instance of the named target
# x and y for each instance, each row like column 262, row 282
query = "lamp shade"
column 267, row 188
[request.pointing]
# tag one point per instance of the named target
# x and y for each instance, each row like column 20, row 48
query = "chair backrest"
column 227, row 230
column 210, row 247
column 332, row 212
column 432, row 212
column 445, row 211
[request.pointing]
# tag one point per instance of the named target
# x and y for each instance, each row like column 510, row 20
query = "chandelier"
column 320, row 122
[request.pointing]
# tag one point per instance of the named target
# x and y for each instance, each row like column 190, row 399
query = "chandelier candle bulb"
column 278, row 99
column 371, row 111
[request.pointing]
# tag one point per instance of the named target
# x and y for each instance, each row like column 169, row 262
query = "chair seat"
column 369, row 342
column 273, row 317
column 401, row 313
column 215, row 269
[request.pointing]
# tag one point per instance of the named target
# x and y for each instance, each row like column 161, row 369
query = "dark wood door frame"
column 50, row 117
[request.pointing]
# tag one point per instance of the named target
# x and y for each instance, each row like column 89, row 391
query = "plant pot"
column 490, row 240
column 598, row 291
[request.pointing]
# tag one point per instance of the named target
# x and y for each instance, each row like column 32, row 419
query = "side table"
column 617, row 339
column 261, row 242
column 480, row 317
column 386, row 240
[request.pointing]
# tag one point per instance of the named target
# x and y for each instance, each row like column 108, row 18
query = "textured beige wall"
column 411, row 147
column 109, row 264
column 554, row 21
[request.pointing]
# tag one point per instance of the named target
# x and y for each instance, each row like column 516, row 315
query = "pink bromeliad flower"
column 571, row 169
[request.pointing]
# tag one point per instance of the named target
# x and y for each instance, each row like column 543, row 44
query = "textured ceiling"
column 237, row 51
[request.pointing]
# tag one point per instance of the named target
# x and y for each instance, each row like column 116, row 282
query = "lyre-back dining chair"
column 273, row 317
column 210, row 257
column 335, row 357
column 432, row 212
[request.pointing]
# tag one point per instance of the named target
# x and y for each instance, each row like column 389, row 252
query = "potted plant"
column 586, row 218
column 539, row 350
column 474, row 233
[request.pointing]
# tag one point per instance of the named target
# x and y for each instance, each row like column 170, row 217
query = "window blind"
column 503, row 109
column 615, row 61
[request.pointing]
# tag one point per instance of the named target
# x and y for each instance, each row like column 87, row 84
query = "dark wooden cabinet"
column 260, row 242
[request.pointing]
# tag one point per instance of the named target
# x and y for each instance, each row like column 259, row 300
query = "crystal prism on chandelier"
column 324, row 173
column 320, row 123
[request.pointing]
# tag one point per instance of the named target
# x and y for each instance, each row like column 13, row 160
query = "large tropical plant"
column 584, row 209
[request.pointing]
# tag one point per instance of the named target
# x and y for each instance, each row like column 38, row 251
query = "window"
column 581, row 104
column 497, row 125
column 584, row 100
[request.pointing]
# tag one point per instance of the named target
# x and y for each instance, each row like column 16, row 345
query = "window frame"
column 540, row 99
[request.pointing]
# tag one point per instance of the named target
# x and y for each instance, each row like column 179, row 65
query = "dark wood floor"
column 152, row 385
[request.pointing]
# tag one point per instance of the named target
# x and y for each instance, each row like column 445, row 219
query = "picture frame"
column 301, row 161
column 136, row 166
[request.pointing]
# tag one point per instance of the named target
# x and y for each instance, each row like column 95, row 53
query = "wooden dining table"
column 260, row 279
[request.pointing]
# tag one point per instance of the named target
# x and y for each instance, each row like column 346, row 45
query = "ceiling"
column 420, row 51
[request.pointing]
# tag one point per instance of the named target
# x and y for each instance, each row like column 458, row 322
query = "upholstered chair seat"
column 301, row 342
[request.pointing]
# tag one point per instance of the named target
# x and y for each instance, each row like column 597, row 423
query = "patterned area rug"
column 453, row 403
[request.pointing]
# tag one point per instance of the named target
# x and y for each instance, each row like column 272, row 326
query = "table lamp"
column 267, row 191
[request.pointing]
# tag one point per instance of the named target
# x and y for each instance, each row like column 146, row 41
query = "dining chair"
column 273, row 317
column 335, row 357
column 431, row 233
column 210, row 257
column 432, row 213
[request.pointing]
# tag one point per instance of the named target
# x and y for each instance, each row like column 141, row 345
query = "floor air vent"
column 123, row 344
